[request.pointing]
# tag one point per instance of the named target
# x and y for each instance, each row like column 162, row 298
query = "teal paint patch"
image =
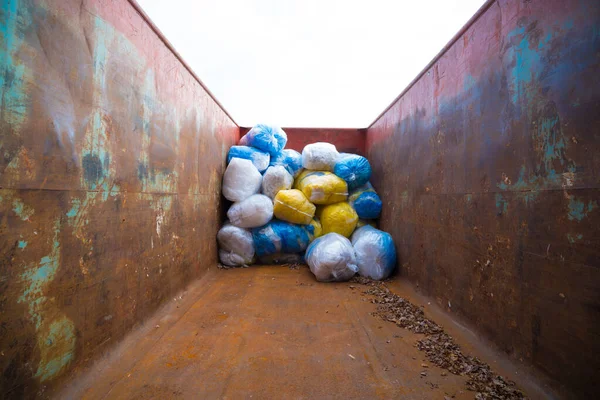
column 501, row 204
column 14, row 98
column 578, row 210
column 551, row 142
column 22, row 210
column 469, row 198
column 527, row 63
column 36, row 277
column 22, row 244
column 574, row 238
column 57, row 348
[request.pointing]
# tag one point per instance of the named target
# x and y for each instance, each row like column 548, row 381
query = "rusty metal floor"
column 267, row 332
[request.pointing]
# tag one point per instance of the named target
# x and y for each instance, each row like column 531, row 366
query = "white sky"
column 327, row 63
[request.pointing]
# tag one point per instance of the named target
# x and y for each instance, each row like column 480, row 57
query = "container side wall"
column 346, row 140
column 111, row 155
column 489, row 170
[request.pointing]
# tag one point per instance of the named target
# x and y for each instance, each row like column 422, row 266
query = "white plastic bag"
column 275, row 179
column 252, row 212
column 240, row 180
column 319, row 156
column 375, row 252
column 236, row 247
column 331, row 258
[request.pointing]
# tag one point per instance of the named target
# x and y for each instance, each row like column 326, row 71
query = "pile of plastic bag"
column 317, row 207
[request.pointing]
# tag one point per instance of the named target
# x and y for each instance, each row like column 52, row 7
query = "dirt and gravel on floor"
column 439, row 347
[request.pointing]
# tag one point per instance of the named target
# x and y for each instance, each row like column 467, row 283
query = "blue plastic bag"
column 260, row 159
column 365, row 202
column 281, row 237
column 267, row 138
column 354, row 169
column 375, row 252
column 290, row 160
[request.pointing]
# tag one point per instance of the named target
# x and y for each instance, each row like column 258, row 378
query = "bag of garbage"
column 315, row 229
column 331, row 258
column 240, row 180
column 293, row 206
column 254, row 211
column 282, row 258
column 271, row 139
column 290, row 159
column 354, row 169
column 322, row 187
column 375, row 252
column 339, row 218
column 275, row 179
column 260, row 159
column 236, row 247
column 281, row 237
column 366, row 202
column 319, row 156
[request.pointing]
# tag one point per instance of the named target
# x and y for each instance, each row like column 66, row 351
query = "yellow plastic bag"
column 339, row 218
column 293, row 206
column 317, row 229
column 321, row 187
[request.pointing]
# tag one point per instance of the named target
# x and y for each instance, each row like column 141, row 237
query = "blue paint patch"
column 578, row 209
column 22, row 244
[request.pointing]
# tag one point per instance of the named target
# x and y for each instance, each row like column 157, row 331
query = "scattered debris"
column 432, row 385
column 351, row 356
column 440, row 348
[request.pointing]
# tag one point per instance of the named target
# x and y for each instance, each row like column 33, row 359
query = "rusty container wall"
column 346, row 140
column 489, row 169
column 110, row 166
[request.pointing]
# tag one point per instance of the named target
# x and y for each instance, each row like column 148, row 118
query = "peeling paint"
column 55, row 337
column 22, row 244
column 14, row 97
column 501, row 204
column 578, row 210
column 57, row 348
column 22, row 210
column 574, row 237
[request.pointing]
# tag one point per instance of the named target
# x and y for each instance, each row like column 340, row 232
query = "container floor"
column 270, row 332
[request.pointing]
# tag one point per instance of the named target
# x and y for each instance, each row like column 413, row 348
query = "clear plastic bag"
column 271, row 139
column 331, row 258
column 354, row 169
column 375, row 252
column 319, row 156
column 254, row 211
column 275, row 179
column 290, row 159
column 366, row 202
column 260, row 159
column 236, row 247
column 293, row 206
column 240, row 180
